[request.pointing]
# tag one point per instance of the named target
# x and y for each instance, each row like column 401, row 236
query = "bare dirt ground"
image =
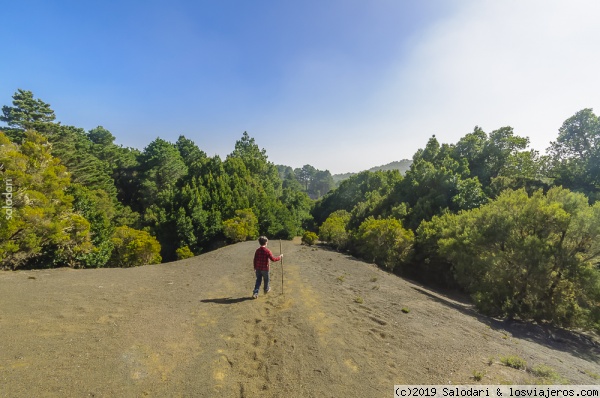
column 190, row 329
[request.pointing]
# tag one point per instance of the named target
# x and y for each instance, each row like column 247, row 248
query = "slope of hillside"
column 402, row 166
column 340, row 327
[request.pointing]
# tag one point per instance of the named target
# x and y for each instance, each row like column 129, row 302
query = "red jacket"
column 262, row 257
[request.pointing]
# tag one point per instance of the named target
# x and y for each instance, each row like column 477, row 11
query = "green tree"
column 79, row 154
column 161, row 219
column 255, row 183
column 315, row 183
column 305, row 175
column 126, row 176
column 27, row 113
column 194, row 229
column 119, row 163
column 472, row 148
column 290, row 182
column 529, row 257
column 101, row 137
column 436, row 183
column 298, row 206
column 575, row 155
column 499, row 154
column 192, row 156
column 354, row 190
column 501, row 146
column 370, row 206
column 96, row 206
column 161, row 166
column 334, row 229
column 525, row 169
column 428, row 265
column 185, row 229
column 321, row 183
column 578, row 136
column 256, row 161
column 285, row 171
column 42, row 229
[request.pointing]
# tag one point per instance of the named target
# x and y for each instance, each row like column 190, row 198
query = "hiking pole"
column 281, row 266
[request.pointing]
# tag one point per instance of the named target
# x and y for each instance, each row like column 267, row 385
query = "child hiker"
column 261, row 265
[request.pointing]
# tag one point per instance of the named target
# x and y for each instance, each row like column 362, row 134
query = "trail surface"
column 190, row 329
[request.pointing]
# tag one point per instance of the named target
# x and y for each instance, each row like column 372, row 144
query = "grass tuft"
column 548, row 373
column 477, row 375
column 513, row 361
column 592, row 374
column 544, row 371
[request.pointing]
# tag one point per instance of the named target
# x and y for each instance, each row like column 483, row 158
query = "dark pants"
column 260, row 275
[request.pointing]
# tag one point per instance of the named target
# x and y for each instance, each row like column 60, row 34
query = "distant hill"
column 401, row 165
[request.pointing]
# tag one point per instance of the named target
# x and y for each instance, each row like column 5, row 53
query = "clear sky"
column 343, row 85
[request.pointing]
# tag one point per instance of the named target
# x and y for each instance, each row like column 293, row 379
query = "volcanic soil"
column 336, row 327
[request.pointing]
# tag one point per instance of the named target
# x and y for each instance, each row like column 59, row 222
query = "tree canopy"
column 27, row 113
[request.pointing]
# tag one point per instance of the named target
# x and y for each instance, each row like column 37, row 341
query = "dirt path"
column 190, row 329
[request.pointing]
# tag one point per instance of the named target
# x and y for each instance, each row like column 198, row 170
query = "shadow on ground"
column 579, row 344
column 226, row 300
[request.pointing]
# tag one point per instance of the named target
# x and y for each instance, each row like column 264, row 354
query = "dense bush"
column 242, row 227
column 309, row 238
column 133, row 248
column 183, row 253
column 334, row 229
column 383, row 241
column 533, row 257
column 38, row 225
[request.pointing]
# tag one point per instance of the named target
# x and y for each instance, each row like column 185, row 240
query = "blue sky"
column 342, row 85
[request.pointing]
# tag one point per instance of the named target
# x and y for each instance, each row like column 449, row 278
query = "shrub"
column 592, row 374
column 546, row 372
column 333, row 230
column 183, row 253
column 241, row 227
column 513, row 361
column 309, row 238
column 133, row 248
column 532, row 257
column 384, row 241
column 477, row 375
column 39, row 225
